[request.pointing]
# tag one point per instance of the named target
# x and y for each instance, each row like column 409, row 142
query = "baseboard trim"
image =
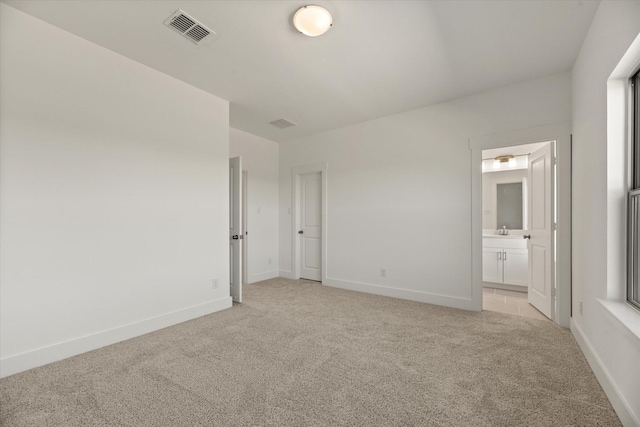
column 42, row 356
column 620, row 405
column 264, row 276
column 447, row 301
column 286, row 274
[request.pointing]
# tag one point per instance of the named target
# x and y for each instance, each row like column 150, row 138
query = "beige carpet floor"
column 299, row 353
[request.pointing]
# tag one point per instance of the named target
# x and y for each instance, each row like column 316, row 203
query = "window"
column 633, row 292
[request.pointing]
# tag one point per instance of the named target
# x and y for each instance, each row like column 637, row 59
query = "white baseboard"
column 620, row 405
column 286, row 274
column 264, row 276
column 447, row 301
column 21, row 362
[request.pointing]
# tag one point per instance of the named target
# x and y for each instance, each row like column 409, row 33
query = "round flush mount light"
column 312, row 20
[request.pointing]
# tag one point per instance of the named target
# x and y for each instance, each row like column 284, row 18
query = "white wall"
column 260, row 160
column 605, row 329
column 399, row 190
column 114, row 196
column 489, row 195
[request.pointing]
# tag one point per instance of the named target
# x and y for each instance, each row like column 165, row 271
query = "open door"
column 236, row 234
column 245, row 243
column 540, row 233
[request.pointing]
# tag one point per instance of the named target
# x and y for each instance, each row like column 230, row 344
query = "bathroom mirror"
column 509, row 206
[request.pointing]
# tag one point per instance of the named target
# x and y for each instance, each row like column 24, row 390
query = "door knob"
column 235, row 237
column 300, row 232
column 527, row 236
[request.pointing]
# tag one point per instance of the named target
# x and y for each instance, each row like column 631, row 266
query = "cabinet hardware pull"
column 500, row 256
column 504, row 257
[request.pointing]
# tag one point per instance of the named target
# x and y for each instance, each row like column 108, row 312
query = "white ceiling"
column 380, row 57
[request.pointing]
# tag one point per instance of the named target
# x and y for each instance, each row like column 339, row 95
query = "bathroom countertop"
column 500, row 236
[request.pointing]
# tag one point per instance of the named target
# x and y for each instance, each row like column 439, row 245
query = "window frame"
column 633, row 202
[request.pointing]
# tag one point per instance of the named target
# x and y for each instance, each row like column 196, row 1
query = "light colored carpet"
column 299, row 353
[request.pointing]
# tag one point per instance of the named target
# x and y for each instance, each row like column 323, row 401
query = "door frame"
column 296, row 172
column 561, row 134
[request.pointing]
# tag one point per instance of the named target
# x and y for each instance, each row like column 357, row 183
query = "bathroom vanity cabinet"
column 505, row 260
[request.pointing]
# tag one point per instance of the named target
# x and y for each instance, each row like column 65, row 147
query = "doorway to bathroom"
column 519, row 230
column 560, row 271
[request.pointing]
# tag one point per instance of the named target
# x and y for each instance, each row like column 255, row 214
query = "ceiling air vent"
column 282, row 123
column 189, row 27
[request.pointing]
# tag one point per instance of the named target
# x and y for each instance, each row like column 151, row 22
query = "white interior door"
column 310, row 226
column 245, row 241
column 541, row 259
column 236, row 234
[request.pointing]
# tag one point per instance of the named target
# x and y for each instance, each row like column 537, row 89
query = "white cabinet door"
column 515, row 267
column 492, row 265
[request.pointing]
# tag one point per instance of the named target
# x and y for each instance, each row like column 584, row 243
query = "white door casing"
column 541, row 257
column 236, row 233
column 560, row 133
column 309, row 216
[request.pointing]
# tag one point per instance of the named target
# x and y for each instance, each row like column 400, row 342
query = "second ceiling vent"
column 189, row 27
column 283, row 123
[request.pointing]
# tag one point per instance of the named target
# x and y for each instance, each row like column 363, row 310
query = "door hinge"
column 553, row 292
column 555, row 225
column 555, row 160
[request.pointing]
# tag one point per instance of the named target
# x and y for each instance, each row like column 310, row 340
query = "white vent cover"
column 283, row 123
column 189, row 27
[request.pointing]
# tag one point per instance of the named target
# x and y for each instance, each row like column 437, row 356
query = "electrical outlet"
column 214, row 284
column 383, row 272
column 580, row 306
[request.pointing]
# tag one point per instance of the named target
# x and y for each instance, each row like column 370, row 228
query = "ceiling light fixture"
column 505, row 158
column 507, row 161
column 312, row 20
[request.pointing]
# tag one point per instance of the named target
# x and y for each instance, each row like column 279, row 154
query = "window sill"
column 624, row 313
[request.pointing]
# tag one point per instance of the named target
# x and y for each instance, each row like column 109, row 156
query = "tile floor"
column 510, row 302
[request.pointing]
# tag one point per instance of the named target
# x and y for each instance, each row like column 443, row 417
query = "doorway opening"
column 560, row 134
column 519, row 218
